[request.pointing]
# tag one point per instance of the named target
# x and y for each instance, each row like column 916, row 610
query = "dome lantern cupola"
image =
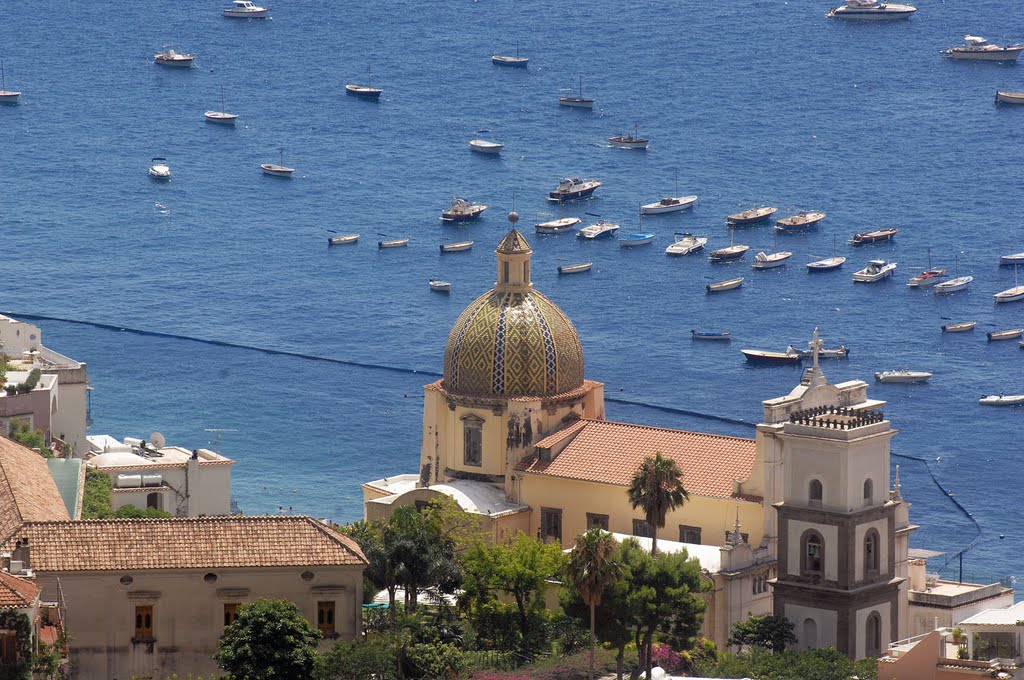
column 514, row 260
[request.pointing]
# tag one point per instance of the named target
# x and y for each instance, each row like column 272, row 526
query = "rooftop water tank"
column 152, row 480
column 129, row 481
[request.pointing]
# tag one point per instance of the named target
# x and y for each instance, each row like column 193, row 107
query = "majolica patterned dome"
column 512, row 341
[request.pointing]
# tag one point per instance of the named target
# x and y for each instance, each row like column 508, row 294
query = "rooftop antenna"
column 216, row 438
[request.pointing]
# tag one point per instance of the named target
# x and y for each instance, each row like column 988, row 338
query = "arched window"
column 153, row 500
column 870, row 552
column 809, row 640
column 869, row 492
column 873, row 636
column 814, row 491
column 812, row 554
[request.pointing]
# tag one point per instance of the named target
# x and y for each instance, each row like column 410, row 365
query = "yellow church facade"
column 517, row 435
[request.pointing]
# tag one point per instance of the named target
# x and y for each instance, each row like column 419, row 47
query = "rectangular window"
column 689, row 534
column 551, row 524
column 9, row 649
column 230, row 613
column 472, row 441
column 325, row 617
column 642, row 529
column 144, row 622
column 597, row 521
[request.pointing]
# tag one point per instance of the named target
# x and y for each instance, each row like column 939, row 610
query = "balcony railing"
column 836, row 418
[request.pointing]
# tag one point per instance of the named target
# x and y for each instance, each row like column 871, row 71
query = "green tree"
column 657, row 489
column 593, row 564
column 270, row 640
column 354, row 660
column 774, row 633
column 520, row 569
column 614, row 617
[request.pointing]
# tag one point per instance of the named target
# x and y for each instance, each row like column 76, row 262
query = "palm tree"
column 593, row 565
column 657, row 488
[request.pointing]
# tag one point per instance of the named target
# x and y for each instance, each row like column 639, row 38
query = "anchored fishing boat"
column 751, row 216
column 462, row 210
column 876, row 236
column 760, row 356
column 1011, row 334
column 342, row 239
column 959, row 327
column 723, row 336
column 172, row 58
column 367, row 91
column 724, row 285
column 571, row 188
column 516, row 61
column 575, row 268
column 802, row 221
column 579, row 102
column 456, row 247
column 902, row 376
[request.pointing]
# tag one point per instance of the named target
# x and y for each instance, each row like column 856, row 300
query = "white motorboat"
column 461, row 210
column 440, row 286
column 516, row 61
column 159, row 169
column 976, row 48
column 765, row 260
column 579, row 102
column 871, row 10
column 902, row 376
column 1002, row 399
column 172, row 58
column 955, row 284
column 600, row 229
column 828, row 263
column 557, row 226
column 575, row 268
column 393, row 243
column 1015, row 258
column 638, row 239
column 571, row 188
column 456, row 247
column 367, row 91
column 687, row 243
column 342, row 239
column 484, row 146
column 275, row 170
column 245, row 9
column 1011, row 294
column 6, row 96
column 724, row 285
column 221, row 117
column 1011, row 334
column 875, row 271
column 632, row 141
column 670, row 204
column 1009, row 97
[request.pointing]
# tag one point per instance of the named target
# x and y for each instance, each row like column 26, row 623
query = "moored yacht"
column 633, row 141
column 875, row 271
column 462, row 210
column 160, row 169
column 600, row 229
column 687, row 243
column 172, row 58
column 871, row 10
column 976, row 48
column 572, row 188
column 245, row 9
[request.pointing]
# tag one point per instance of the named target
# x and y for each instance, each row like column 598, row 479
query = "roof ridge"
column 178, row 520
column 670, row 429
column 338, row 537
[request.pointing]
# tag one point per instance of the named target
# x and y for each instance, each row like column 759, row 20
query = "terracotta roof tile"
column 609, row 453
column 16, row 592
column 27, row 490
column 185, row 543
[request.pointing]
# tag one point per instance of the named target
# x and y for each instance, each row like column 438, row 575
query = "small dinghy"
column 557, row 226
column 724, row 285
column 575, row 268
column 1011, row 334
column 440, row 286
column 160, row 169
column 751, row 216
column 959, row 327
column 1009, row 97
column 802, row 221
column 760, row 356
column 484, row 146
column 723, row 336
column 903, row 376
column 393, row 243
column 456, row 247
column 1002, row 400
column 631, row 240
column 342, row 239
column 876, row 236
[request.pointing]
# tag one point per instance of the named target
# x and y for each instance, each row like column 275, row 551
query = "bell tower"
column 842, row 536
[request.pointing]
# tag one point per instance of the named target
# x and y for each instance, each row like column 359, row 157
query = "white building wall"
column 827, row 623
column 860, row 632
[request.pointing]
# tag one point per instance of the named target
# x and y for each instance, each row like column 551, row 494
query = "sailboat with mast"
column 828, row 263
column 733, row 252
column 516, row 61
column 579, row 102
column 559, row 225
column 277, row 170
column 1011, row 294
column 365, row 92
column 956, row 283
column 776, row 259
column 670, row 204
column 6, row 96
column 222, row 117
column 929, row 277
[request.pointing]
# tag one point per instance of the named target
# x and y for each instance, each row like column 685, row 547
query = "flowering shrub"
column 662, row 655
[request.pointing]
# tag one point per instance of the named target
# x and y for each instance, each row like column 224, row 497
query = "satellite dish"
column 157, row 440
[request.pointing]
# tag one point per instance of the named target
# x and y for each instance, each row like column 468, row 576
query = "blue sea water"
column 749, row 102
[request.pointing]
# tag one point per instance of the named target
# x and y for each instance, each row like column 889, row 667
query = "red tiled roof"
column 27, row 490
column 16, row 592
column 609, row 453
column 185, row 543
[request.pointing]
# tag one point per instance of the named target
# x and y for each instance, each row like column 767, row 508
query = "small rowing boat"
column 1005, row 335
column 724, row 335
column 575, row 268
column 456, row 247
column 724, row 285
column 876, row 236
column 1013, row 258
column 959, row 327
column 343, row 239
column 760, row 356
column 1002, row 400
column 393, row 243
column 485, row 146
